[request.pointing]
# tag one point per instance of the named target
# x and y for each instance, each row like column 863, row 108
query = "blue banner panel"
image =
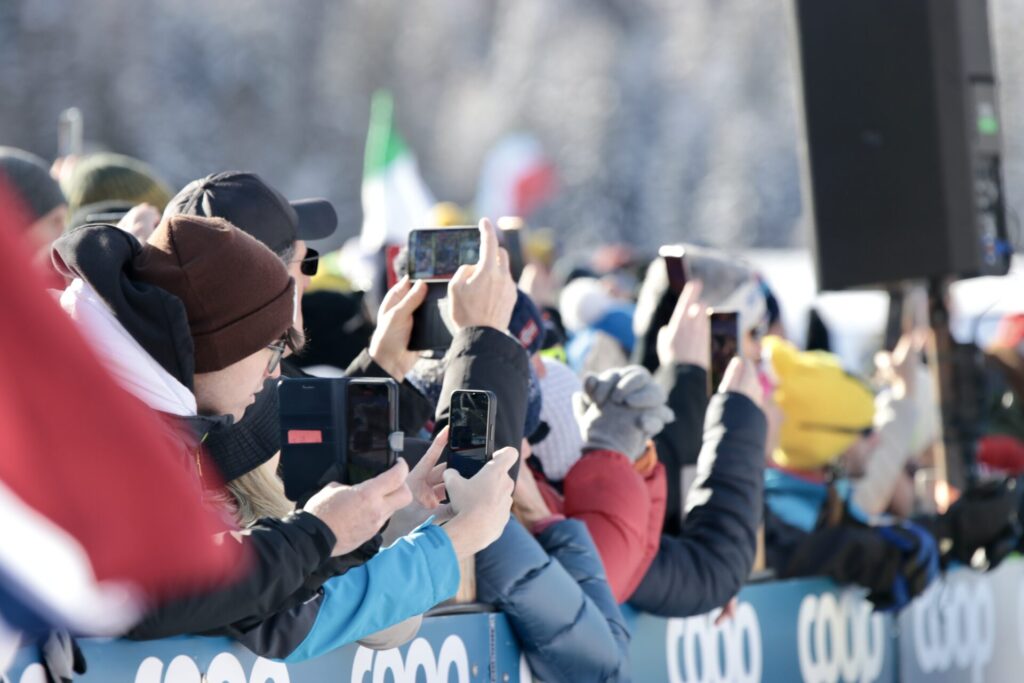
column 804, row 630
column 968, row 628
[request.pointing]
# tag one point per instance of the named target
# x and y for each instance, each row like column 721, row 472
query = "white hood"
column 130, row 364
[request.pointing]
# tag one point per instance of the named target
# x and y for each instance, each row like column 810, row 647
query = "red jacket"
column 622, row 508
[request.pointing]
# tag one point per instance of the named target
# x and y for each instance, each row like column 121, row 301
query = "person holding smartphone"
column 193, row 323
column 702, row 564
column 255, row 207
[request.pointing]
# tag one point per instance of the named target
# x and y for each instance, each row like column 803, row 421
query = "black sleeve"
column 711, row 559
column 483, row 358
column 414, row 408
column 283, row 554
column 680, row 442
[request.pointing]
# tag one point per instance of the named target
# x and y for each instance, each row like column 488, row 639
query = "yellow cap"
column 447, row 214
column 825, row 409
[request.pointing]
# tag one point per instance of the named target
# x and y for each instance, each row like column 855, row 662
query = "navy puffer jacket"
column 554, row 593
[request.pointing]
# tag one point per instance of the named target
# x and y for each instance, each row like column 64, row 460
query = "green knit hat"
column 105, row 176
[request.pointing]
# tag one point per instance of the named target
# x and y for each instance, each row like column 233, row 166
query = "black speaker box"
column 903, row 147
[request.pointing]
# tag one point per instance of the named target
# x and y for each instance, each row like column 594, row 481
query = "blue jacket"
column 362, row 601
column 710, row 559
column 798, row 502
column 553, row 591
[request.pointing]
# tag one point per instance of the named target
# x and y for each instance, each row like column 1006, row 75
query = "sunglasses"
column 277, row 349
column 311, row 263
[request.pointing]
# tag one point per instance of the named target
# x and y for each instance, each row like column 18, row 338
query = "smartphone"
column 436, row 253
column 371, row 428
column 69, row 132
column 471, row 431
column 336, row 429
column 510, row 234
column 675, row 264
column 725, row 344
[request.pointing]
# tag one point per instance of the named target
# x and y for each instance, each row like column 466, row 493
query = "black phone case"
column 311, row 404
column 318, row 404
column 429, row 333
column 468, row 463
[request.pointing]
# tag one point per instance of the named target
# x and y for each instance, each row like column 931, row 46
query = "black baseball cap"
column 253, row 206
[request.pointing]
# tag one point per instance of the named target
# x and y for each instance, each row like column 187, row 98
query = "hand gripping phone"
column 435, row 254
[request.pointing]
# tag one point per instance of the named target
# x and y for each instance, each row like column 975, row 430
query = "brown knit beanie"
column 237, row 293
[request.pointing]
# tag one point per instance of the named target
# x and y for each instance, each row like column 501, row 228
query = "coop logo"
column 839, row 639
column 419, row 665
column 954, row 627
column 225, row 668
column 700, row 652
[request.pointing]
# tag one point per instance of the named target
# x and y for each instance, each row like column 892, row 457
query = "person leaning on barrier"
column 545, row 574
column 702, row 562
column 192, row 324
column 813, row 524
column 611, row 478
column 482, row 308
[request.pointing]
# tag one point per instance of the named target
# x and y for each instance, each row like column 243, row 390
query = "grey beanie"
column 28, row 177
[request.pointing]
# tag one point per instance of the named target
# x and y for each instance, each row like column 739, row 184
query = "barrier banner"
column 452, row 649
column 804, row 630
column 969, row 628
column 966, row 627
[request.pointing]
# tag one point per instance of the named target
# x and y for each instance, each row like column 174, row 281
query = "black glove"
column 61, row 657
column 987, row 516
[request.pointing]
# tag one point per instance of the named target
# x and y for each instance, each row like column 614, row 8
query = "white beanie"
column 563, row 445
column 583, row 302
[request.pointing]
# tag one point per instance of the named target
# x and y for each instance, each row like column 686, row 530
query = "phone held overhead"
column 435, row 254
column 725, row 344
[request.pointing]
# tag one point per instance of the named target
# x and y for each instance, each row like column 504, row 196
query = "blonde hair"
column 258, row 493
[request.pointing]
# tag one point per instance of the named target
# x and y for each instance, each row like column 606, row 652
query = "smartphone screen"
column 368, row 426
column 725, row 336
column 469, row 431
column 675, row 265
column 468, row 421
column 435, row 254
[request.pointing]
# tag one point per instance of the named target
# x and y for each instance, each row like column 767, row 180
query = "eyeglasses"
column 310, row 263
column 277, row 349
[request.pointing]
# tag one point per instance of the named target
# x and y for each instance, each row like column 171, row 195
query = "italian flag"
column 395, row 198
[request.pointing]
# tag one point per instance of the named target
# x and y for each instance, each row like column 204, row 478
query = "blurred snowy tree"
column 666, row 120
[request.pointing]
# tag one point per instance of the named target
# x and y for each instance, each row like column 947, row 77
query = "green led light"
column 988, row 125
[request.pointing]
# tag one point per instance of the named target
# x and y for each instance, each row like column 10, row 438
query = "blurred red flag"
column 97, row 514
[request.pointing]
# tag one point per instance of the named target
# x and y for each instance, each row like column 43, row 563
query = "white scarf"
column 133, row 368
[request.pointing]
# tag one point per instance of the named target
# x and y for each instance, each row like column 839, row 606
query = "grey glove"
column 620, row 409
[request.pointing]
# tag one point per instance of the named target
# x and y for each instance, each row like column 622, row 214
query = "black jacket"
column 707, row 563
column 483, row 358
column 680, row 442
